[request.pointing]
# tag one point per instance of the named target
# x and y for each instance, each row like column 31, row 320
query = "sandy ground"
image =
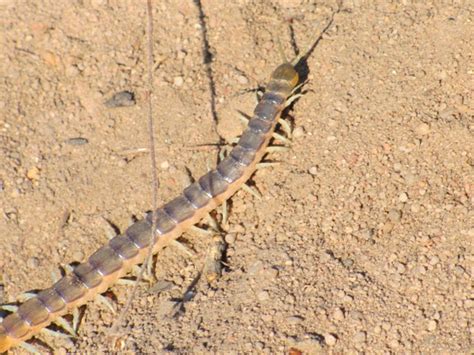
column 362, row 242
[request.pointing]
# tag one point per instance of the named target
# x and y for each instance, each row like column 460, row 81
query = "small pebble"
column 121, row 99
column 298, row 132
column 394, row 215
column 178, row 81
column 263, row 296
column 33, row 173
column 78, row 256
column 403, row 197
column 415, row 208
column 359, row 337
column 313, row 170
column 330, row 339
column 165, row 165
column 242, row 80
column 32, row 263
column 459, row 270
column 400, row 268
column 347, row 299
column 448, row 114
column 387, row 227
column 347, row 262
column 77, row 141
column 338, row 314
column 432, row 325
column 230, row 238
column 394, row 344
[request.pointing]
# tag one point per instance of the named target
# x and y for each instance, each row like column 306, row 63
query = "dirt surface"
column 362, row 241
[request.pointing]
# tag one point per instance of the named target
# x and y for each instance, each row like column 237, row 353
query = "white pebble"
column 263, row 296
column 338, row 314
column 403, row 197
column 178, row 81
column 298, row 132
column 242, row 80
column 330, row 339
column 165, row 165
column 313, row 170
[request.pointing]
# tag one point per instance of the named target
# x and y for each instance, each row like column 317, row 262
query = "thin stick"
column 155, row 183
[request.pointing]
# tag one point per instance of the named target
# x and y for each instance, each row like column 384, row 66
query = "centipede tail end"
column 5, row 341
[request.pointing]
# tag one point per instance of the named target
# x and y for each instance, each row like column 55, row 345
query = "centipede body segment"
column 116, row 258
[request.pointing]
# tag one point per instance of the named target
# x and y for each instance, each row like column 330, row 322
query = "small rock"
column 242, row 80
column 360, row 337
column 400, row 268
column 298, row 132
column 403, row 197
column 33, row 173
column 77, row 141
column 415, row 208
column 347, row 299
column 330, row 339
column 432, row 325
column 263, row 296
column 78, row 256
column 338, row 314
column 32, row 262
column 394, row 215
column 459, row 270
column 387, row 227
column 347, row 262
column 121, row 99
column 230, row 238
column 165, row 165
column 448, row 114
column 313, row 170
column 422, row 130
column 394, row 344
column 178, row 81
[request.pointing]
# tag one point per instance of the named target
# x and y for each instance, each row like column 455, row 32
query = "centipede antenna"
column 303, row 56
column 282, row 52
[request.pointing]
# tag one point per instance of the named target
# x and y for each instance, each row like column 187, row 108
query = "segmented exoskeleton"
column 115, row 259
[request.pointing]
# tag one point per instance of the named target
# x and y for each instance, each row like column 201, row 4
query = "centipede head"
column 286, row 72
column 283, row 79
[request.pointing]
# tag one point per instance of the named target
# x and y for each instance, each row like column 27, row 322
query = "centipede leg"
column 277, row 149
column 281, row 138
column 285, row 126
column 29, row 348
column 106, row 303
column 201, row 231
column 252, row 191
column 292, row 99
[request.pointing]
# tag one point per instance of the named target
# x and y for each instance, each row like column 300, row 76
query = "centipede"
column 115, row 259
